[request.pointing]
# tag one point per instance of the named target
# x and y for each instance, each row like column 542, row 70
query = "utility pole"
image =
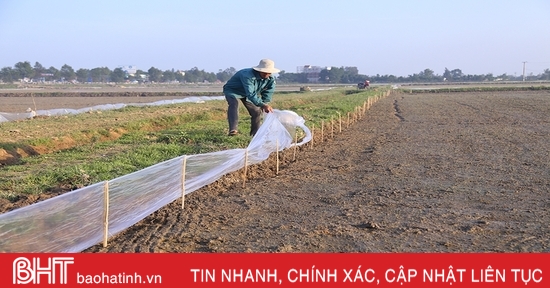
column 524, row 70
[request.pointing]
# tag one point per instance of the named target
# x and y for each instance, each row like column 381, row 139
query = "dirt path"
column 428, row 172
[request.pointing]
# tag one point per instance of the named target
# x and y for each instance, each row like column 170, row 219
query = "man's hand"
column 266, row 108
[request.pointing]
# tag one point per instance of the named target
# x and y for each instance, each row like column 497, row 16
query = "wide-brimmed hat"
column 266, row 66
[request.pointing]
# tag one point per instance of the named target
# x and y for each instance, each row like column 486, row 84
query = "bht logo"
column 26, row 271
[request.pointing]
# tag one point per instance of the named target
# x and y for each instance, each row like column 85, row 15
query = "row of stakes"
column 352, row 117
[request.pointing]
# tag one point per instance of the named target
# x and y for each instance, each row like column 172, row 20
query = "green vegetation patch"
column 103, row 146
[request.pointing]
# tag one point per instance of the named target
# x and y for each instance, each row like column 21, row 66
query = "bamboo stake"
column 245, row 166
column 105, row 213
column 312, row 134
column 348, row 120
column 277, row 169
column 339, row 122
column 183, row 182
column 331, row 127
column 33, row 102
column 322, row 130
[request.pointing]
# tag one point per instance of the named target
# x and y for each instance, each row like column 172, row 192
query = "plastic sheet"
column 5, row 117
column 74, row 221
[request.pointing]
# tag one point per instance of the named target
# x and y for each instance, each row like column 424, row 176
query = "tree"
column 209, row 77
column 100, row 74
column 284, row 77
column 118, row 75
column 8, row 74
column 54, row 72
column 67, row 73
column 456, row 74
column 351, row 75
column 39, row 70
column 24, row 69
column 168, row 76
column 331, row 75
column 447, row 76
column 140, row 75
column 503, row 77
column 180, row 76
column 224, row 75
column 155, row 75
column 82, row 75
column 427, row 75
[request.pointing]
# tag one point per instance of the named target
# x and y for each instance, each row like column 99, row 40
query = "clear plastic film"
column 6, row 117
column 76, row 220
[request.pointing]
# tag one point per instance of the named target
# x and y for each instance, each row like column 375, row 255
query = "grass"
column 79, row 150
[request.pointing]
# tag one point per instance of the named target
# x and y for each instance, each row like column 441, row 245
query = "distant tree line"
column 351, row 75
column 24, row 71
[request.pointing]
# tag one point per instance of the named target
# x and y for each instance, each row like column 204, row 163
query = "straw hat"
column 266, row 66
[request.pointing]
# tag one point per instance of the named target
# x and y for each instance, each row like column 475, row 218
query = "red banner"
column 276, row 270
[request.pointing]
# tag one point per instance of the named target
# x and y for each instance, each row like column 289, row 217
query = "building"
column 311, row 71
column 130, row 70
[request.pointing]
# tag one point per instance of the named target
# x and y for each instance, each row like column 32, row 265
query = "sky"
column 390, row 37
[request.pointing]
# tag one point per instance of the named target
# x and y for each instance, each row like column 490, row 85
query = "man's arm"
column 249, row 85
column 267, row 92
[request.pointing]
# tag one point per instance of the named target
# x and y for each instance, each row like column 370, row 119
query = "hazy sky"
column 390, row 37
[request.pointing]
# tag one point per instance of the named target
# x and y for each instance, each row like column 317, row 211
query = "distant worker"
column 367, row 83
column 254, row 87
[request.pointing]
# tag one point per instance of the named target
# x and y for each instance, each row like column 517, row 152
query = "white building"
column 311, row 71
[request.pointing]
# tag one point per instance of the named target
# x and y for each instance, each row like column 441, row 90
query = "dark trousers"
column 233, row 114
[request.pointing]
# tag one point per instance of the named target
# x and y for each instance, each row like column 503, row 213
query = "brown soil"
column 419, row 172
column 45, row 98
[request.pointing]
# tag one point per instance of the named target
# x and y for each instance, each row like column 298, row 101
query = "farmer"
column 254, row 87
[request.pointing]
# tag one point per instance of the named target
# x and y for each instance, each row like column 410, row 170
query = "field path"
column 455, row 172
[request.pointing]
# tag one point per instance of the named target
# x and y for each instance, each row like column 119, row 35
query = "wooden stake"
column 348, row 120
column 32, row 95
column 322, row 130
column 183, row 181
column 331, row 127
column 245, row 166
column 339, row 122
column 105, row 213
column 312, row 134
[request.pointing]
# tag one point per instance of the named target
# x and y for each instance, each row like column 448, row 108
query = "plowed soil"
column 455, row 172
